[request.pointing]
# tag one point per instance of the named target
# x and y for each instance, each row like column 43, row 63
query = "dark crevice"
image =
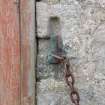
column 36, row 51
column 38, row 0
column 36, row 33
column 20, row 36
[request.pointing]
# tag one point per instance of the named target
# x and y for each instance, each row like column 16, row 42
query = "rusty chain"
column 69, row 78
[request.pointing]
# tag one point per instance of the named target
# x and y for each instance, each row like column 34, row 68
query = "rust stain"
column 9, row 54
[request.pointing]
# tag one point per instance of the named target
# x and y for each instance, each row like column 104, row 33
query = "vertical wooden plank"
column 28, row 46
column 9, row 53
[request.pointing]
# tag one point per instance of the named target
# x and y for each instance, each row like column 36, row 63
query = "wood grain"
column 9, row 53
column 28, row 46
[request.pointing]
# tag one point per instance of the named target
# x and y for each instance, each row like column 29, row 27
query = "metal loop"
column 75, row 97
column 70, row 79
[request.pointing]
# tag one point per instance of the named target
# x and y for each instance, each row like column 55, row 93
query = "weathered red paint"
column 25, row 51
column 9, row 53
column 27, row 28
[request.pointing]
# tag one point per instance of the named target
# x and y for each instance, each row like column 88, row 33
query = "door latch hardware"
column 56, row 48
column 69, row 78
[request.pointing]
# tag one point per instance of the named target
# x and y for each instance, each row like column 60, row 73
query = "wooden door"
column 17, row 52
column 9, row 53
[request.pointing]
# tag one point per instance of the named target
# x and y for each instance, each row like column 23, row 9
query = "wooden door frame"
column 28, row 51
column 17, row 52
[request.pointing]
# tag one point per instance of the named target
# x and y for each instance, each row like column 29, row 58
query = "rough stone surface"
column 83, row 33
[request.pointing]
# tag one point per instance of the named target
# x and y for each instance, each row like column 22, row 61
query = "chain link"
column 69, row 78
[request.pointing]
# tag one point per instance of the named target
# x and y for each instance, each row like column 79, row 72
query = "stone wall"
column 83, row 33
